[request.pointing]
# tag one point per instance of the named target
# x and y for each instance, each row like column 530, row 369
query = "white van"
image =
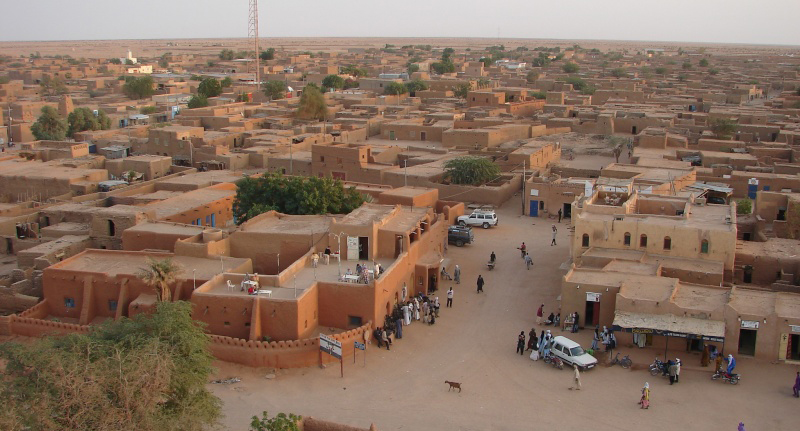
column 571, row 353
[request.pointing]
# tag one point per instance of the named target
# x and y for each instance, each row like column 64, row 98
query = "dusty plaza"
column 593, row 226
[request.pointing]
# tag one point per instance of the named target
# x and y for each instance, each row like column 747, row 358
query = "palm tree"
column 159, row 274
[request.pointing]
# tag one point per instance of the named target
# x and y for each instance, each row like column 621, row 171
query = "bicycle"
column 625, row 362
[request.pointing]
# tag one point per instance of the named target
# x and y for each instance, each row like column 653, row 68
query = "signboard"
column 592, row 297
column 360, row 346
column 794, row 328
column 330, row 346
column 669, row 333
column 534, row 192
column 749, row 324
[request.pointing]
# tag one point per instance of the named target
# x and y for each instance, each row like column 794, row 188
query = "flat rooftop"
column 701, row 298
column 166, row 228
column 114, row 263
column 288, row 224
column 368, row 213
column 188, row 201
column 773, row 247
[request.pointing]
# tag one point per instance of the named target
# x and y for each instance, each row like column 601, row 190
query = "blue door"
column 213, row 220
column 534, row 211
column 751, row 190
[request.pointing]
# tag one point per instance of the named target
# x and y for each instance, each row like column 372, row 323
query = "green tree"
column 269, row 54
column 443, row 67
column 198, row 100
column 147, row 110
column 312, row 104
column 470, row 170
column 145, row 373
column 82, row 119
column 354, row 71
column 210, row 87
column 139, row 88
column 416, row 85
column 350, row 83
column 413, row 67
column 462, row 90
column 661, row 70
column 114, row 61
column 703, row 62
column 618, row 72
column 744, row 206
column 570, row 67
column 539, row 95
column 447, row 54
column 395, row 88
column 53, row 86
column 281, row 422
column 686, row 65
column 333, row 81
column 713, row 71
column 227, row 82
column 275, row 90
column 723, row 128
column 227, row 55
column 293, row 195
column 487, row 61
column 159, row 274
column 532, row 76
column 49, row 126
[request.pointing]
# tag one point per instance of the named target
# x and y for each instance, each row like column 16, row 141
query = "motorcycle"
column 554, row 361
column 731, row 378
column 658, row 367
column 490, row 264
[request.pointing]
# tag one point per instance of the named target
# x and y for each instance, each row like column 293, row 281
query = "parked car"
column 482, row 218
column 460, row 235
column 571, row 353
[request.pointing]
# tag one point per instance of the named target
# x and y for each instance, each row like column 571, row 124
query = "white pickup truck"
column 484, row 219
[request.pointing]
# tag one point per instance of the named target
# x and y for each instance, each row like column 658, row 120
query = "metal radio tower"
column 252, row 38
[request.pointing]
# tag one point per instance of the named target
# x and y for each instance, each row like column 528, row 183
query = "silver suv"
column 482, row 218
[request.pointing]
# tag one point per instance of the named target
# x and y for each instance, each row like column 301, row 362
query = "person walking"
column 796, row 387
column 531, row 339
column 677, row 370
column 523, row 249
column 521, row 342
column 575, row 322
column 398, row 327
column 327, row 255
column 672, row 370
column 528, row 261
column 480, row 283
column 596, row 337
column 457, row 274
column 559, row 215
column 645, row 400
column 534, row 343
column 539, row 314
column 555, row 231
column 450, row 297
column 379, row 337
column 416, row 309
column 577, row 386
column 314, row 260
column 407, row 313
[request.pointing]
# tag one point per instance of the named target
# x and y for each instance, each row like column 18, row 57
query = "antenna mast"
column 252, row 38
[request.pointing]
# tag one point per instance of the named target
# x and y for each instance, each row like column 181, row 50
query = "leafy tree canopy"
column 198, row 101
column 744, row 206
column 227, row 82
column 619, row 72
column 461, row 91
column 471, row 170
column 49, row 126
column 570, row 67
column 275, row 90
column 148, row 110
column 413, row 67
column 723, row 128
column 354, row 71
column 53, row 86
column 703, row 62
column 138, row 88
column 532, row 76
column 281, row 422
column 416, row 85
column 395, row 88
column 443, row 67
column 82, row 119
column 269, row 54
column 210, row 87
column 333, row 81
column 144, row 373
column 312, row 104
column 293, row 195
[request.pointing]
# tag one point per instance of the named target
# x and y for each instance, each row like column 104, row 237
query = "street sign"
column 330, row 346
column 360, row 346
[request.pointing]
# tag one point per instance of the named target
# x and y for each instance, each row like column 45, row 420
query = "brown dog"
column 453, row 385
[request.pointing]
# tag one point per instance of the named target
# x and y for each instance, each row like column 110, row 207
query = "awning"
column 669, row 325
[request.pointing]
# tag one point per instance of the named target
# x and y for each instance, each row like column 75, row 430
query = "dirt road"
column 474, row 343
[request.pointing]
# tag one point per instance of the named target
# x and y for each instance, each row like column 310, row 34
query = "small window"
column 541, row 205
column 704, row 246
column 643, row 241
column 627, row 239
column 322, row 159
column 69, row 302
column 667, row 243
column 227, row 323
column 306, row 324
column 112, row 305
column 354, row 321
column 585, row 240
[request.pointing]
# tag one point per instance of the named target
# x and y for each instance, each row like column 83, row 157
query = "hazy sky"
column 736, row 21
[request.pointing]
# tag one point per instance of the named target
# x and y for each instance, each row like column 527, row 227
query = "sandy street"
column 474, row 342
